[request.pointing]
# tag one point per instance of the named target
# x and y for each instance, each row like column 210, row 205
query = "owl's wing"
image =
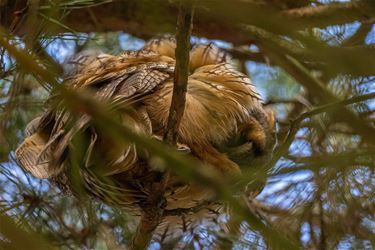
column 74, row 64
column 118, row 80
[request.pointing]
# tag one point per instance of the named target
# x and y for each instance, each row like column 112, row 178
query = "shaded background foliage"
column 314, row 63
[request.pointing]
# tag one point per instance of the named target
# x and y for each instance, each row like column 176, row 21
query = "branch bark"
column 181, row 74
column 153, row 208
column 214, row 19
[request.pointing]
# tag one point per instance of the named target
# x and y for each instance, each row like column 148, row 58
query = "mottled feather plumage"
column 221, row 103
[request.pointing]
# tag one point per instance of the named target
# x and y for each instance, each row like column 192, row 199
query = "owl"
column 223, row 108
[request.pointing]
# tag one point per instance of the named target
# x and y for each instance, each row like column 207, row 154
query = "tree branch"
column 181, row 74
column 214, row 19
column 331, row 14
column 153, row 208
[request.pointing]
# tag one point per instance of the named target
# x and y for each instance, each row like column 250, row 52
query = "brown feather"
column 221, row 103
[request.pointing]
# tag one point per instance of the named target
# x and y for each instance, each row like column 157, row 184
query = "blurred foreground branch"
column 18, row 237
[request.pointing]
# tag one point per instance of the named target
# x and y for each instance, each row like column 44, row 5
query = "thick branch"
column 214, row 19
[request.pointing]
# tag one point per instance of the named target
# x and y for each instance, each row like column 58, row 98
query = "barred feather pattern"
column 221, row 103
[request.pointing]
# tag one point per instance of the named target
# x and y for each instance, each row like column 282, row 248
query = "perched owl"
column 222, row 109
